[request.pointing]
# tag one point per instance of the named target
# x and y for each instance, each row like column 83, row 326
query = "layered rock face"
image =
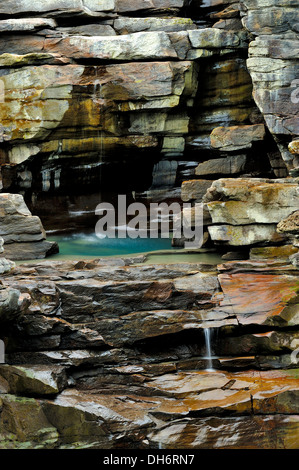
column 247, row 211
column 151, row 97
column 112, row 355
column 126, row 106
column 273, row 65
column 70, row 106
column 94, row 95
column 239, row 216
column 21, row 232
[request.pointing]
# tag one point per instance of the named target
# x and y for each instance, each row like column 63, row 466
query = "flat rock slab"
column 57, row 7
column 238, row 201
column 34, row 380
column 177, row 396
column 203, row 392
column 30, row 250
column 260, row 299
column 26, row 24
column 258, row 432
column 236, row 137
column 136, row 46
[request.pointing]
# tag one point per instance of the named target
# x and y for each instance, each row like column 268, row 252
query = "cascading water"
column 98, row 100
column 207, row 332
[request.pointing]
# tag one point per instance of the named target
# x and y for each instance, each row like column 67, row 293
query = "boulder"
column 96, row 420
column 274, row 300
column 266, row 343
column 295, row 260
column 294, row 147
column 250, row 201
column 21, row 251
column 213, row 38
column 6, row 265
column 138, row 46
column 23, row 233
column 87, row 30
column 38, row 58
column 9, row 304
column 270, row 16
column 273, row 252
column 191, row 214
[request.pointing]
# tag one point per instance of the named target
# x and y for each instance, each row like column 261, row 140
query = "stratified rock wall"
column 97, row 92
column 247, row 211
column 139, row 95
column 109, row 354
column 273, row 66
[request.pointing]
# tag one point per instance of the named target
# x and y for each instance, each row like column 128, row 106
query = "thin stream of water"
column 98, row 99
column 207, row 332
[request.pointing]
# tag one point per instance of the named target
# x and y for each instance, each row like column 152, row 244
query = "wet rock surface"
column 113, row 355
column 75, row 94
column 22, row 233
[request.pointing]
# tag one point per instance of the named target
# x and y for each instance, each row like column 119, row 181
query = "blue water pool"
column 82, row 245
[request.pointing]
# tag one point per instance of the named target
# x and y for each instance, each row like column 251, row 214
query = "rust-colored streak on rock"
column 259, row 296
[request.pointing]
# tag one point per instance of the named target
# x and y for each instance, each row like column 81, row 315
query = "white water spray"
column 207, row 332
column 98, row 99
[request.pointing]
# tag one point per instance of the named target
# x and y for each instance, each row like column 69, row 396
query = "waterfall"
column 98, row 99
column 207, row 332
column 2, row 352
column 46, row 180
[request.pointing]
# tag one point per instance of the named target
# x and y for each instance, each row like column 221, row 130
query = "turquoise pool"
column 82, row 245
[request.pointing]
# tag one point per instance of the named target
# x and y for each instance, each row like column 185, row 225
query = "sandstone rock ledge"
column 112, row 355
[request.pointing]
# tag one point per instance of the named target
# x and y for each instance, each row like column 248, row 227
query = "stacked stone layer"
column 111, row 354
